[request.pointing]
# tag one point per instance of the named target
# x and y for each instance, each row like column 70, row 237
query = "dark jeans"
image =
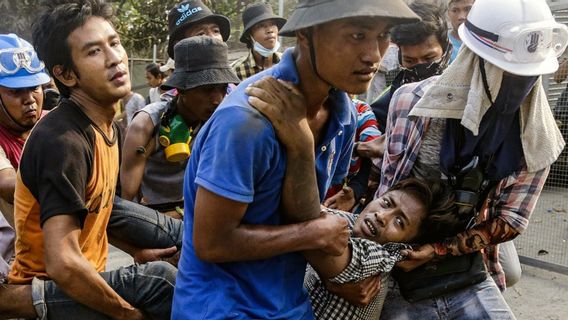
column 143, row 227
column 148, row 287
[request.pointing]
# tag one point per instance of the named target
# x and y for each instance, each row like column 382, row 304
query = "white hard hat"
column 519, row 36
column 170, row 65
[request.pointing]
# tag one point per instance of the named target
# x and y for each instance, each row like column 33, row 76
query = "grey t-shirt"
column 427, row 165
column 163, row 180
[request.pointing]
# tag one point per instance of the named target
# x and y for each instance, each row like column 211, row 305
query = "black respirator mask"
column 424, row 71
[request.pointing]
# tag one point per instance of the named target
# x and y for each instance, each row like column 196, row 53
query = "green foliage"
column 141, row 23
column 17, row 17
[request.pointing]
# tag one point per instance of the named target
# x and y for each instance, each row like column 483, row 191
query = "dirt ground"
column 546, row 237
column 540, row 294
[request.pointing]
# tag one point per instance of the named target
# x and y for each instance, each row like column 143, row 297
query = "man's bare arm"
column 372, row 149
column 285, row 107
column 67, row 267
column 7, row 184
column 16, row 302
column 138, row 146
column 219, row 236
column 143, row 255
column 301, row 196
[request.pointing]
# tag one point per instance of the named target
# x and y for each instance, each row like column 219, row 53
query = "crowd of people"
column 266, row 188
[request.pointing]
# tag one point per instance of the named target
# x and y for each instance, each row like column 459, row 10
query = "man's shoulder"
column 137, row 99
column 156, row 110
column 235, row 120
column 240, row 118
column 417, row 88
column 361, row 106
column 408, row 95
column 66, row 115
column 240, row 61
column 63, row 127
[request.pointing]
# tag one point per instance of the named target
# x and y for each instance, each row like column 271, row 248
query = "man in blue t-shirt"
column 240, row 257
column 457, row 12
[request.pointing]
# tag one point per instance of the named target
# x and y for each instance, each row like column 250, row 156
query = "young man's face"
column 265, row 33
column 348, row 51
column 198, row 104
column 24, row 105
column 458, row 11
column 428, row 51
column 204, row 28
column 394, row 217
column 100, row 61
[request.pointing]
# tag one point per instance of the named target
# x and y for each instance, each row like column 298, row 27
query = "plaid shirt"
column 368, row 258
column 508, row 208
column 246, row 66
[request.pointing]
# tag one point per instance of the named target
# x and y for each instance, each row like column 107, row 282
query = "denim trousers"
column 143, row 227
column 476, row 302
column 148, row 287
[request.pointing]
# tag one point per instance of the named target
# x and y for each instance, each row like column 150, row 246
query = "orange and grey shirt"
column 68, row 167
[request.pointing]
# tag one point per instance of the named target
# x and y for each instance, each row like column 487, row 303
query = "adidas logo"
column 183, row 8
column 186, row 13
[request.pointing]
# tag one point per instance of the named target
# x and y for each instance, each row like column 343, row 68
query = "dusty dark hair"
column 57, row 20
column 433, row 23
column 417, row 188
column 154, row 69
column 437, row 197
column 442, row 219
column 248, row 40
column 450, row 2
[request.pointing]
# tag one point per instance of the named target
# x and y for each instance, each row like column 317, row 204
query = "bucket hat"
column 200, row 61
column 518, row 36
column 256, row 13
column 20, row 66
column 189, row 13
column 309, row 13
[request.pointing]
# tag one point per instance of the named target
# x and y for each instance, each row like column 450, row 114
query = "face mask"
column 514, row 90
column 263, row 51
column 424, row 71
column 421, row 71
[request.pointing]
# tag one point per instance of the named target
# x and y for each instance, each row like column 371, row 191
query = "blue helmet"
column 20, row 66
